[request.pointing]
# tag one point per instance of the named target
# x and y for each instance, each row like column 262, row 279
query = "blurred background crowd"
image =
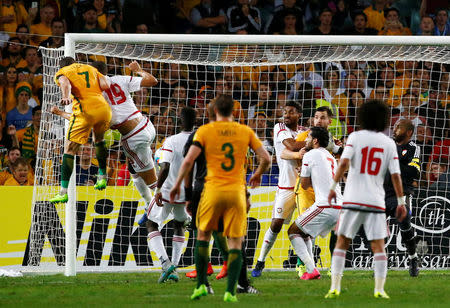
column 415, row 90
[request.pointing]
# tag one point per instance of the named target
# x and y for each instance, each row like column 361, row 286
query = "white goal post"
column 203, row 50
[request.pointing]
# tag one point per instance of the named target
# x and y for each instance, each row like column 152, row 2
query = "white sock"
column 380, row 270
column 157, row 245
column 142, row 188
column 309, row 244
column 269, row 239
column 177, row 246
column 302, row 251
column 337, row 268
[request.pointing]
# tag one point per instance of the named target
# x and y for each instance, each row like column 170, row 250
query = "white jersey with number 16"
column 371, row 154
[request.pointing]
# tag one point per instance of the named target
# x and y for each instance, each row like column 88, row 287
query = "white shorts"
column 284, row 205
column 318, row 220
column 136, row 146
column 159, row 214
column 350, row 221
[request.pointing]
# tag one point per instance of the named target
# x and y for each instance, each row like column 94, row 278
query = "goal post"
column 99, row 230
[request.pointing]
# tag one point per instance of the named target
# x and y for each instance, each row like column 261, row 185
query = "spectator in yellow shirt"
column 13, row 13
column 43, row 29
column 375, row 14
column 12, row 56
column 20, row 170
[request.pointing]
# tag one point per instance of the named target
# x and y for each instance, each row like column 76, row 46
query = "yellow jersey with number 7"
column 86, row 90
column 225, row 145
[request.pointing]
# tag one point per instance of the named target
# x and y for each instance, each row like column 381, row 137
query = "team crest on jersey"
column 279, row 210
column 404, row 152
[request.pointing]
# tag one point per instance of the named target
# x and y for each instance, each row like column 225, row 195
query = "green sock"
column 201, row 261
column 66, row 170
column 220, row 242
column 102, row 154
column 234, row 268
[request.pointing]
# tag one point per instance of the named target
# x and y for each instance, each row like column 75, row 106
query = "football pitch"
column 278, row 289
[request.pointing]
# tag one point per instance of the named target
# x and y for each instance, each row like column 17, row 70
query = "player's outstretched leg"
column 101, row 153
column 66, row 172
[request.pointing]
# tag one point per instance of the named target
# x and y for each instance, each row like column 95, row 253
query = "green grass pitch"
column 278, row 289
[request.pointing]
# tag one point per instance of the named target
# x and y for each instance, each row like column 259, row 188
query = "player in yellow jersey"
column 90, row 111
column 305, row 197
column 225, row 144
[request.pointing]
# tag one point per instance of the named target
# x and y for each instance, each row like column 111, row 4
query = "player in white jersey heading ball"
column 170, row 163
column 137, row 131
column 369, row 154
column 318, row 167
column 284, row 135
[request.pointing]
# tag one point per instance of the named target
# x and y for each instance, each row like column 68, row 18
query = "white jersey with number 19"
column 119, row 98
column 371, row 154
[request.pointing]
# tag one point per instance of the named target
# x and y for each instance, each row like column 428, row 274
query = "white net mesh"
column 413, row 80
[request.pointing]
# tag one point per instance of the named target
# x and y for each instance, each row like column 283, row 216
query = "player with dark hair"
column 318, row 167
column 90, row 111
column 284, row 135
column 225, row 144
column 369, row 154
column 409, row 159
column 170, row 163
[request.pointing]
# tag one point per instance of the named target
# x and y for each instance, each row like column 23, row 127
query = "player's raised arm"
column 186, row 167
column 148, row 80
column 103, row 82
column 66, row 87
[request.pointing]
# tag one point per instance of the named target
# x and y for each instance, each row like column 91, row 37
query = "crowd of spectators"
column 415, row 90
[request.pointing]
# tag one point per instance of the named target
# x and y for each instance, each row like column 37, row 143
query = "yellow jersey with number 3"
column 225, row 145
column 86, row 90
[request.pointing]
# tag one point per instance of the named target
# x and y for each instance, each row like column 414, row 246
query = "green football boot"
column 100, row 184
column 60, row 198
column 202, row 290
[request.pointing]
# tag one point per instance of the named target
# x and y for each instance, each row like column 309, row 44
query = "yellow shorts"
column 228, row 206
column 81, row 123
column 304, row 199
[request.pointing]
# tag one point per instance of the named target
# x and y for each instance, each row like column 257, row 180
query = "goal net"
column 261, row 73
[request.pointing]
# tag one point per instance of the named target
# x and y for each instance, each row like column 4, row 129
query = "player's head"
column 291, row 113
column 100, row 66
column 373, row 115
column 403, row 131
column 317, row 137
column 66, row 61
column 322, row 117
column 224, row 105
column 188, row 118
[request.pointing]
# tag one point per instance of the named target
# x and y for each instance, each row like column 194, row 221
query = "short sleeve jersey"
column 84, row 80
column 225, row 145
column 119, row 98
column 371, row 154
column 172, row 153
column 288, row 174
column 320, row 166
